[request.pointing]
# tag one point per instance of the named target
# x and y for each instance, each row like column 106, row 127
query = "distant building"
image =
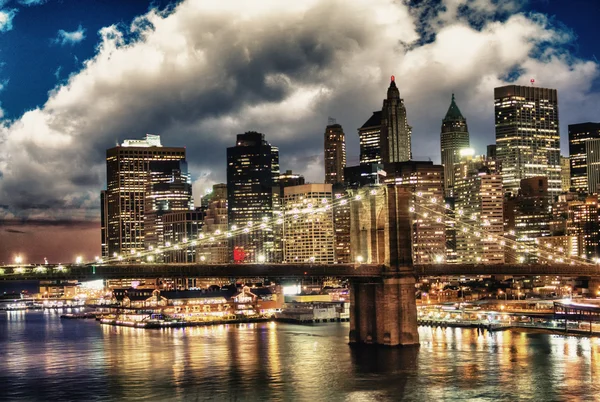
column 133, row 169
column 214, row 251
column 425, row 181
column 527, row 136
column 577, row 216
column 169, row 189
column 579, row 134
column 181, row 231
column 370, row 140
column 532, row 216
column 478, row 197
column 454, row 137
column 253, row 198
column 592, row 152
column 565, row 173
column 288, row 179
column 341, row 226
column 335, row 154
column 395, row 131
column 308, row 230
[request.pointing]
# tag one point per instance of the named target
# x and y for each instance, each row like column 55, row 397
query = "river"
column 48, row 359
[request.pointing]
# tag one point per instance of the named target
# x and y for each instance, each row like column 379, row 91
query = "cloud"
column 6, row 18
column 70, row 38
column 29, row 3
column 202, row 72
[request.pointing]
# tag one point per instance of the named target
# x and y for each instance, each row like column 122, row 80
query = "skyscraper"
column 168, row 189
column 335, row 153
column 565, row 173
column 424, row 180
column 527, row 135
column 592, row 156
column 395, row 131
column 132, row 168
column 308, row 226
column 454, row 137
column 478, row 196
column 579, row 134
column 370, row 140
column 253, row 197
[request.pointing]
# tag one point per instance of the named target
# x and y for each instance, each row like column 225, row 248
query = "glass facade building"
column 579, row 134
column 133, row 169
column 527, row 136
column 253, row 199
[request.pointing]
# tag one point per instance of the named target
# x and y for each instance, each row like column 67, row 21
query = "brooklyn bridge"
column 382, row 279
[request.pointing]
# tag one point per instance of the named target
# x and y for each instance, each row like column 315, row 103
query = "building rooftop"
column 374, row 120
column 453, row 112
column 151, row 140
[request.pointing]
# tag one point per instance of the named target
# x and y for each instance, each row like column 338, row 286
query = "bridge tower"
column 384, row 312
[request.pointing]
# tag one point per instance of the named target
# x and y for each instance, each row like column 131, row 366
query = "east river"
column 44, row 358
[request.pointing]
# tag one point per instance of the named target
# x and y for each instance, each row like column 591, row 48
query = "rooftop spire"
column 453, row 111
column 393, row 92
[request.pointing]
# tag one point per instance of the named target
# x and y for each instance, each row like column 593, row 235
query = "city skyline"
column 281, row 107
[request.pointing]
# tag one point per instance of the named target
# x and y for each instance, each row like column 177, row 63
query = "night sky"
column 78, row 76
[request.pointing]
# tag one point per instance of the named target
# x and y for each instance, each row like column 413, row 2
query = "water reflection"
column 49, row 359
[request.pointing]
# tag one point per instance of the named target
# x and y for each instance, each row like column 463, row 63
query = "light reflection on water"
column 46, row 358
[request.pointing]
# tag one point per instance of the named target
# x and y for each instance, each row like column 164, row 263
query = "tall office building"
column 579, row 134
column 454, row 137
column 335, row 153
column 565, row 174
column 532, row 215
column 132, row 168
column 308, row 225
column 253, row 198
column 181, row 228
column 370, row 140
column 425, row 181
column 527, row 135
column 478, row 195
column 592, row 156
column 395, row 131
column 168, row 189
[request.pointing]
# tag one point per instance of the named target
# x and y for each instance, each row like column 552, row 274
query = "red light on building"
column 239, row 255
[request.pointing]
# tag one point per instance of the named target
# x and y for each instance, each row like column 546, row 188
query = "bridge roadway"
column 358, row 272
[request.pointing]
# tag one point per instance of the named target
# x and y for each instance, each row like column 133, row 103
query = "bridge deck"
column 356, row 271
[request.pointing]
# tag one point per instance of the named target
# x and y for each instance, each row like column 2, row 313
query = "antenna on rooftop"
column 331, row 121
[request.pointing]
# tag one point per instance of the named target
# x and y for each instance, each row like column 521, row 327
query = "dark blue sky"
column 31, row 59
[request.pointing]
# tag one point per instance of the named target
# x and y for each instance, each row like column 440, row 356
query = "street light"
column 359, row 259
column 78, row 260
column 18, row 260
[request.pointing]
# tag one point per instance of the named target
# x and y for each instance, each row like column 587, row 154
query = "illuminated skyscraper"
column 395, row 131
column 527, row 135
column 565, row 173
column 308, row 226
column 478, row 198
column 579, row 134
column 335, row 153
column 253, row 198
column 424, row 180
column 215, row 219
column 135, row 169
column 454, row 137
column 370, row 140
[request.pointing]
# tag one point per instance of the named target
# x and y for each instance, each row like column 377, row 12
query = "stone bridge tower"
column 383, row 312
